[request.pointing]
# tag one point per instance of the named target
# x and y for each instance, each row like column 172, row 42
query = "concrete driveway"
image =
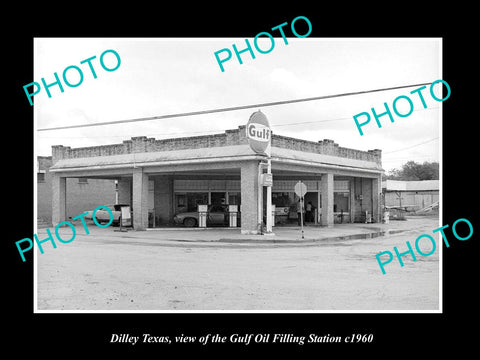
column 219, row 269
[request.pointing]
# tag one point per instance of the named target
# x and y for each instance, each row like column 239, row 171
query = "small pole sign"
column 301, row 190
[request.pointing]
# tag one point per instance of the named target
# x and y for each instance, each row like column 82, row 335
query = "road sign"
column 267, row 179
column 300, row 189
column 258, row 133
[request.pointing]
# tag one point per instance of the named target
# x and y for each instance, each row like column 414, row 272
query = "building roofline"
column 208, row 155
column 142, row 144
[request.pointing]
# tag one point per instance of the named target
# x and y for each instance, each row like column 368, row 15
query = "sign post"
column 269, row 197
column 301, row 190
column 259, row 137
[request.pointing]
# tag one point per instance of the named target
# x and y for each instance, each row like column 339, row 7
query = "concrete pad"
column 219, row 269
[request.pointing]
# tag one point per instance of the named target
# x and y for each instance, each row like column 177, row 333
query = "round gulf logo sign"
column 259, row 134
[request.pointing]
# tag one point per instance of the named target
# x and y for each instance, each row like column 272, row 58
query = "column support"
column 59, row 198
column 327, row 199
column 140, row 199
column 249, row 185
column 376, row 196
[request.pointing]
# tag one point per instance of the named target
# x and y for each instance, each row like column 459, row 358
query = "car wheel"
column 190, row 222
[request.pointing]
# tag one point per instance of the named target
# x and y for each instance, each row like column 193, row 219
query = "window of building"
column 341, row 185
column 341, row 201
column 41, row 177
column 217, row 198
column 283, row 199
column 186, row 202
column 234, row 198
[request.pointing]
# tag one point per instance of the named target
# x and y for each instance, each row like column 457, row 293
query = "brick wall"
column 228, row 138
column 249, row 193
column 163, row 197
column 44, row 199
column 44, row 162
column 80, row 196
column 83, row 197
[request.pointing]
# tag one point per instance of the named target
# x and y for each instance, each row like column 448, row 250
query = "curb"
column 312, row 240
column 252, row 242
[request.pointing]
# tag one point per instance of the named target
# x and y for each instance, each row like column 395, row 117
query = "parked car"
column 216, row 215
column 103, row 216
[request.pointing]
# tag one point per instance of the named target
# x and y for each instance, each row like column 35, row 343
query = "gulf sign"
column 259, row 134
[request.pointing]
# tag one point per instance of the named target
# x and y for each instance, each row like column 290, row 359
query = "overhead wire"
column 211, row 111
column 410, row 147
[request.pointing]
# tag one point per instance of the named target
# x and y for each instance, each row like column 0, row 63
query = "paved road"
column 108, row 270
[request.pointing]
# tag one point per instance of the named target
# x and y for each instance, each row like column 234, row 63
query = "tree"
column 415, row 171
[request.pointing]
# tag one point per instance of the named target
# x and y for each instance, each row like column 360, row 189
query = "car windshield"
column 118, row 207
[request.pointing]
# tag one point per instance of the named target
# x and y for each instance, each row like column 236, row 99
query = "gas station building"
column 161, row 178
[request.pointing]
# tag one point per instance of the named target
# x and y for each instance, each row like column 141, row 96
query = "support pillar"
column 125, row 191
column 249, row 194
column 376, row 196
column 352, row 200
column 327, row 199
column 163, row 202
column 59, row 199
column 140, row 199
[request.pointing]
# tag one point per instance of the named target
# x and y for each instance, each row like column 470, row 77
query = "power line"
column 409, row 158
column 203, row 131
column 216, row 131
column 202, row 112
column 409, row 147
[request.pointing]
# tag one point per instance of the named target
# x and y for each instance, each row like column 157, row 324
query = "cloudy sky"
column 168, row 76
